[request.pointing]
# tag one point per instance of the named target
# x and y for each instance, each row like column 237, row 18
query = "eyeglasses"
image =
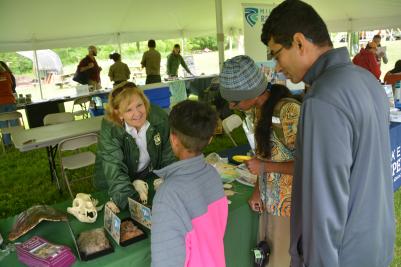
column 273, row 55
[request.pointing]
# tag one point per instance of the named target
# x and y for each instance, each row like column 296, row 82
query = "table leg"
column 51, row 155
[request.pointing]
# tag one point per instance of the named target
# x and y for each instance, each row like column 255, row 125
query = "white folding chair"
column 56, row 118
column 82, row 103
column 8, row 118
column 76, row 159
column 51, row 119
column 230, row 123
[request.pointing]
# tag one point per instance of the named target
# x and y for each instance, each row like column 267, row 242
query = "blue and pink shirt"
column 189, row 216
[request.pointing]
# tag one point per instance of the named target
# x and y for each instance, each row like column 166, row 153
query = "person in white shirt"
column 134, row 140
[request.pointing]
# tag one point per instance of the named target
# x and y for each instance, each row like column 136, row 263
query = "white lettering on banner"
column 396, row 163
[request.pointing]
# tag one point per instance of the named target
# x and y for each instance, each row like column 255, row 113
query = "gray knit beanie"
column 241, row 79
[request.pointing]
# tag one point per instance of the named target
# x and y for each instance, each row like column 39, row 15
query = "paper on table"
column 381, row 49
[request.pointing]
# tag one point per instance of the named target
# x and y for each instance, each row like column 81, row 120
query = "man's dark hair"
column 177, row 46
column 193, row 123
column 377, row 36
column 151, row 43
column 294, row 16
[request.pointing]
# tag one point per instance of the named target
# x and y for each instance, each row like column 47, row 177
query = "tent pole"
column 35, row 56
column 119, row 43
column 220, row 32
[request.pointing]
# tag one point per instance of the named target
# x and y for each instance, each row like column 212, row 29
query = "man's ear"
column 300, row 41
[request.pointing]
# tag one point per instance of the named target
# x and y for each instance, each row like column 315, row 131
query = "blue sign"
column 251, row 15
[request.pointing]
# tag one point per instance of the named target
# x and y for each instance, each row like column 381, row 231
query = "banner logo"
column 251, row 15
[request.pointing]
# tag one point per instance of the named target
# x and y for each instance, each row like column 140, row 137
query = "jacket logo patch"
column 157, row 139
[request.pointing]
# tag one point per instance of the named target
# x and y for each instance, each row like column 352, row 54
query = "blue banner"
column 395, row 140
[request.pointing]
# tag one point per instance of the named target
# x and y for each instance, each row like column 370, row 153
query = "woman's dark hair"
column 397, row 67
column 115, row 56
column 264, row 124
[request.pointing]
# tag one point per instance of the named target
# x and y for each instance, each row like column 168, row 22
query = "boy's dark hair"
column 294, row 16
column 151, row 43
column 194, row 124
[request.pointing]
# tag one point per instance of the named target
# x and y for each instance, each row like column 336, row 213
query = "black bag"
column 81, row 77
column 261, row 254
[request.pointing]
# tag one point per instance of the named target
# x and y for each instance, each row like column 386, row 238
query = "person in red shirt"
column 366, row 59
column 7, row 101
column 89, row 66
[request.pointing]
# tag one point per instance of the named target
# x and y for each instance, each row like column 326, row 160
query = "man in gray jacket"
column 342, row 198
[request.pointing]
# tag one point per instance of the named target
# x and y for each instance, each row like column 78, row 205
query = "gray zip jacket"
column 342, row 199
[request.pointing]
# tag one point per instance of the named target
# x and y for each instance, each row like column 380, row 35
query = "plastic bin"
column 94, row 112
column 159, row 96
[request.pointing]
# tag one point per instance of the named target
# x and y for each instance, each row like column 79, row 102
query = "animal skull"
column 157, row 183
column 84, row 208
column 142, row 188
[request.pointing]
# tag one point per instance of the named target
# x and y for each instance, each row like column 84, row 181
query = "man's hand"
column 90, row 65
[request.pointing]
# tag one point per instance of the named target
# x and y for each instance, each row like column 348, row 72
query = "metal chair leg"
column 64, row 173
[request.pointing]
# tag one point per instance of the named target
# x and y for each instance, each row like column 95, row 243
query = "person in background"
column 342, row 210
column 382, row 55
column 119, row 71
column 89, row 65
column 7, row 101
column 393, row 75
column 151, row 61
column 189, row 212
column 366, row 59
column 14, row 83
column 174, row 60
column 244, row 86
column 134, row 140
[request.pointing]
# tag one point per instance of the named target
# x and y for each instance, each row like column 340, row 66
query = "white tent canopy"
column 41, row 24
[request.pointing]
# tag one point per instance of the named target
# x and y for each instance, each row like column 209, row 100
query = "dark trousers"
column 153, row 79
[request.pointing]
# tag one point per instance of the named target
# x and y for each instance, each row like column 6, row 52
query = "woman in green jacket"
column 134, row 140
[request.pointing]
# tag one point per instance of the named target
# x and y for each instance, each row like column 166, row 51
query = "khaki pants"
column 276, row 231
column 95, row 84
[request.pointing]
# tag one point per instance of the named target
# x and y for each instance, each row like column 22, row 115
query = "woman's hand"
column 253, row 165
column 255, row 202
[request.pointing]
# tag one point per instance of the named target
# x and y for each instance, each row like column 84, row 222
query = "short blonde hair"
column 120, row 98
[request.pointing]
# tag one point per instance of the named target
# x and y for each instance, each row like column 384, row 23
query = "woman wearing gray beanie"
column 244, row 85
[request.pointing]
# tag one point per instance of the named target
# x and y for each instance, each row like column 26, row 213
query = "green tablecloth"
column 240, row 237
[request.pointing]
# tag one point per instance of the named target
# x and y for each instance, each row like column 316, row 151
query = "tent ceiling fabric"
column 41, row 24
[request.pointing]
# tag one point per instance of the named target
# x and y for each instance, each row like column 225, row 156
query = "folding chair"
column 51, row 119
column 76, row 159
column 56, row 118
column 9, row 126
column 82, row 103
column 230, row 123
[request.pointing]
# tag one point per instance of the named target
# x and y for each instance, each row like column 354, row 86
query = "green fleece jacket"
column 173, row 62
column 117, row 155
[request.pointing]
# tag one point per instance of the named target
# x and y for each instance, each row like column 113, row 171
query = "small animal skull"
column 84, row 208
column 142, row 188
column 157, row 183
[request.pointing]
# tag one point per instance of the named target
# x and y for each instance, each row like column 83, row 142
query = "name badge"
column 157, row 139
